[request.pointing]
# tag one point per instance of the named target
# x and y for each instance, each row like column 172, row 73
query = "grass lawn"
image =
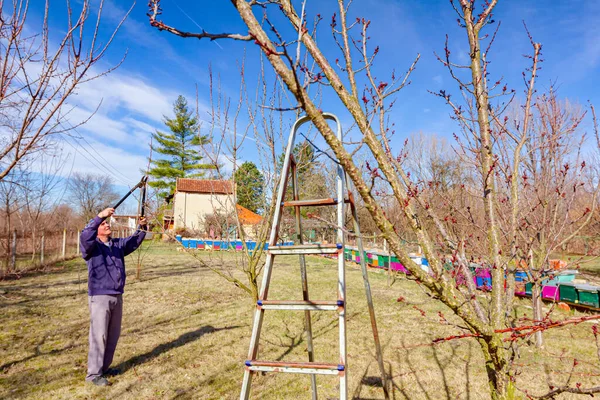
column 186, row 333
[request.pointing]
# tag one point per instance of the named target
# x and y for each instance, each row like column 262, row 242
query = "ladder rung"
column 307, row 249
column 317, row 305
column 313, row 202
column 295, row 367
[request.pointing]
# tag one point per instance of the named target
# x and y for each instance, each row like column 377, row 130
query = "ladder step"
column 313, row 202
column 317, row 305
column 307, row 249
column 295, row 367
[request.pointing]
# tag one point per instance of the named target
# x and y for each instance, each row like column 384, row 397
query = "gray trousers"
column 106, row 312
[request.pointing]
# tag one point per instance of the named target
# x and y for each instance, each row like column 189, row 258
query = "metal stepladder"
column 252, row 364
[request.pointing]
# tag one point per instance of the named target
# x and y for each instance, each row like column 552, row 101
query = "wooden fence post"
column 13, row 256
column 42, row 249
column 64, row 248
column 78, row 243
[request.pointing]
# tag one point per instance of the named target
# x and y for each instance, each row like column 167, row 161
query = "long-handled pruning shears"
column 141, row 184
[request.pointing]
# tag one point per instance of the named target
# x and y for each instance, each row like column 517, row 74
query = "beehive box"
column 520, row 288
column 588, row 295
column 568, row 292
column 550, row 292
column 383, row 260
column 520, row 276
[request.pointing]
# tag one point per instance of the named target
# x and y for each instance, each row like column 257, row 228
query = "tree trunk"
column 64, row 244
column 7, row 231
column 32, row 244
column 536, row 298
column 510, row 291
column 496, row 366
column 13, row 252
column 42, row 245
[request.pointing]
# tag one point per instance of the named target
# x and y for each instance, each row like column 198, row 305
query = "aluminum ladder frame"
column 252, row 365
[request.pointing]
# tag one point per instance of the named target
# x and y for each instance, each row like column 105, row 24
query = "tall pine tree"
column 250, row 186
column 178, row 150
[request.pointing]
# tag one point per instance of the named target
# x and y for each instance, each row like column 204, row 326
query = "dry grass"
column 186, row 334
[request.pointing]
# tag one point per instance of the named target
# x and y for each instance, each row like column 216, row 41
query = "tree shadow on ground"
column 443, row 361
column 373, row 381
column 38, row 353
column 165, row 347
column 290, row 339
column 152, row 275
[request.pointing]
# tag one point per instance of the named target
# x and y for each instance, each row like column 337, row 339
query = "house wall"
column 124, row 223
column 250, row 232
column 190, row 209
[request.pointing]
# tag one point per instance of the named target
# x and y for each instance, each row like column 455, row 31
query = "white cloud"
column 99, row 124
column 126, row 93
column 142, row 126
column 99, row 158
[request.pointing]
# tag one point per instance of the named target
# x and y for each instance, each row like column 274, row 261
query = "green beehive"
column 563, row 276
column 528, row 287
column 568, row 292
column 566, row 276
column 383, row 260
column 588, row 295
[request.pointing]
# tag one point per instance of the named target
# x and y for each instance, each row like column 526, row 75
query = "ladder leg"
column 340, row 183
column 256, row 328
column 307, row 319
column 246, row 385
column 308, row 326
column 365, row 275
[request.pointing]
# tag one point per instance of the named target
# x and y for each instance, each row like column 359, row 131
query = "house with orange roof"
column 250, row 221
column 207, row 207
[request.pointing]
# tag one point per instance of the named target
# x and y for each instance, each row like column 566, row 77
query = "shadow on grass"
column 410, row 383
column 165, row 347
column 153, row 275
column 297, row 338
column 36, row 270
column 37, row 353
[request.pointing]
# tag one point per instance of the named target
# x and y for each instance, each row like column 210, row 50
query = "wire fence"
column 26, row 250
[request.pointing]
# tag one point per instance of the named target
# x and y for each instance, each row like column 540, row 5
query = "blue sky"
column 160, row 66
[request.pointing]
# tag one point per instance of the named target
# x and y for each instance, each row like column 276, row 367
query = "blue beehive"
column 520, row 276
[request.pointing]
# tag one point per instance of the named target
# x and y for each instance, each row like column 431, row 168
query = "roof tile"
column 208, row 186
column 246, row 216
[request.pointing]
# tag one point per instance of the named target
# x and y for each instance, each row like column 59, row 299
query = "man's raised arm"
column 90, row 232
column 131, row 243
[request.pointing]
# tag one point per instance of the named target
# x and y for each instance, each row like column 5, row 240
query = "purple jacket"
column 106, row 264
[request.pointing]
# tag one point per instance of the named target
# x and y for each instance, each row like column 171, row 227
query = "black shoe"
column 100, row 381
column 112, row 372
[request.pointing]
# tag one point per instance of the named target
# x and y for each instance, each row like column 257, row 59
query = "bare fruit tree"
column 232, row 129
column 300, row 63
column 91, row 193
column 39, row 75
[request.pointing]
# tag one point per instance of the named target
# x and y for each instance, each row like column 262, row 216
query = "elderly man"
column 106, row 279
